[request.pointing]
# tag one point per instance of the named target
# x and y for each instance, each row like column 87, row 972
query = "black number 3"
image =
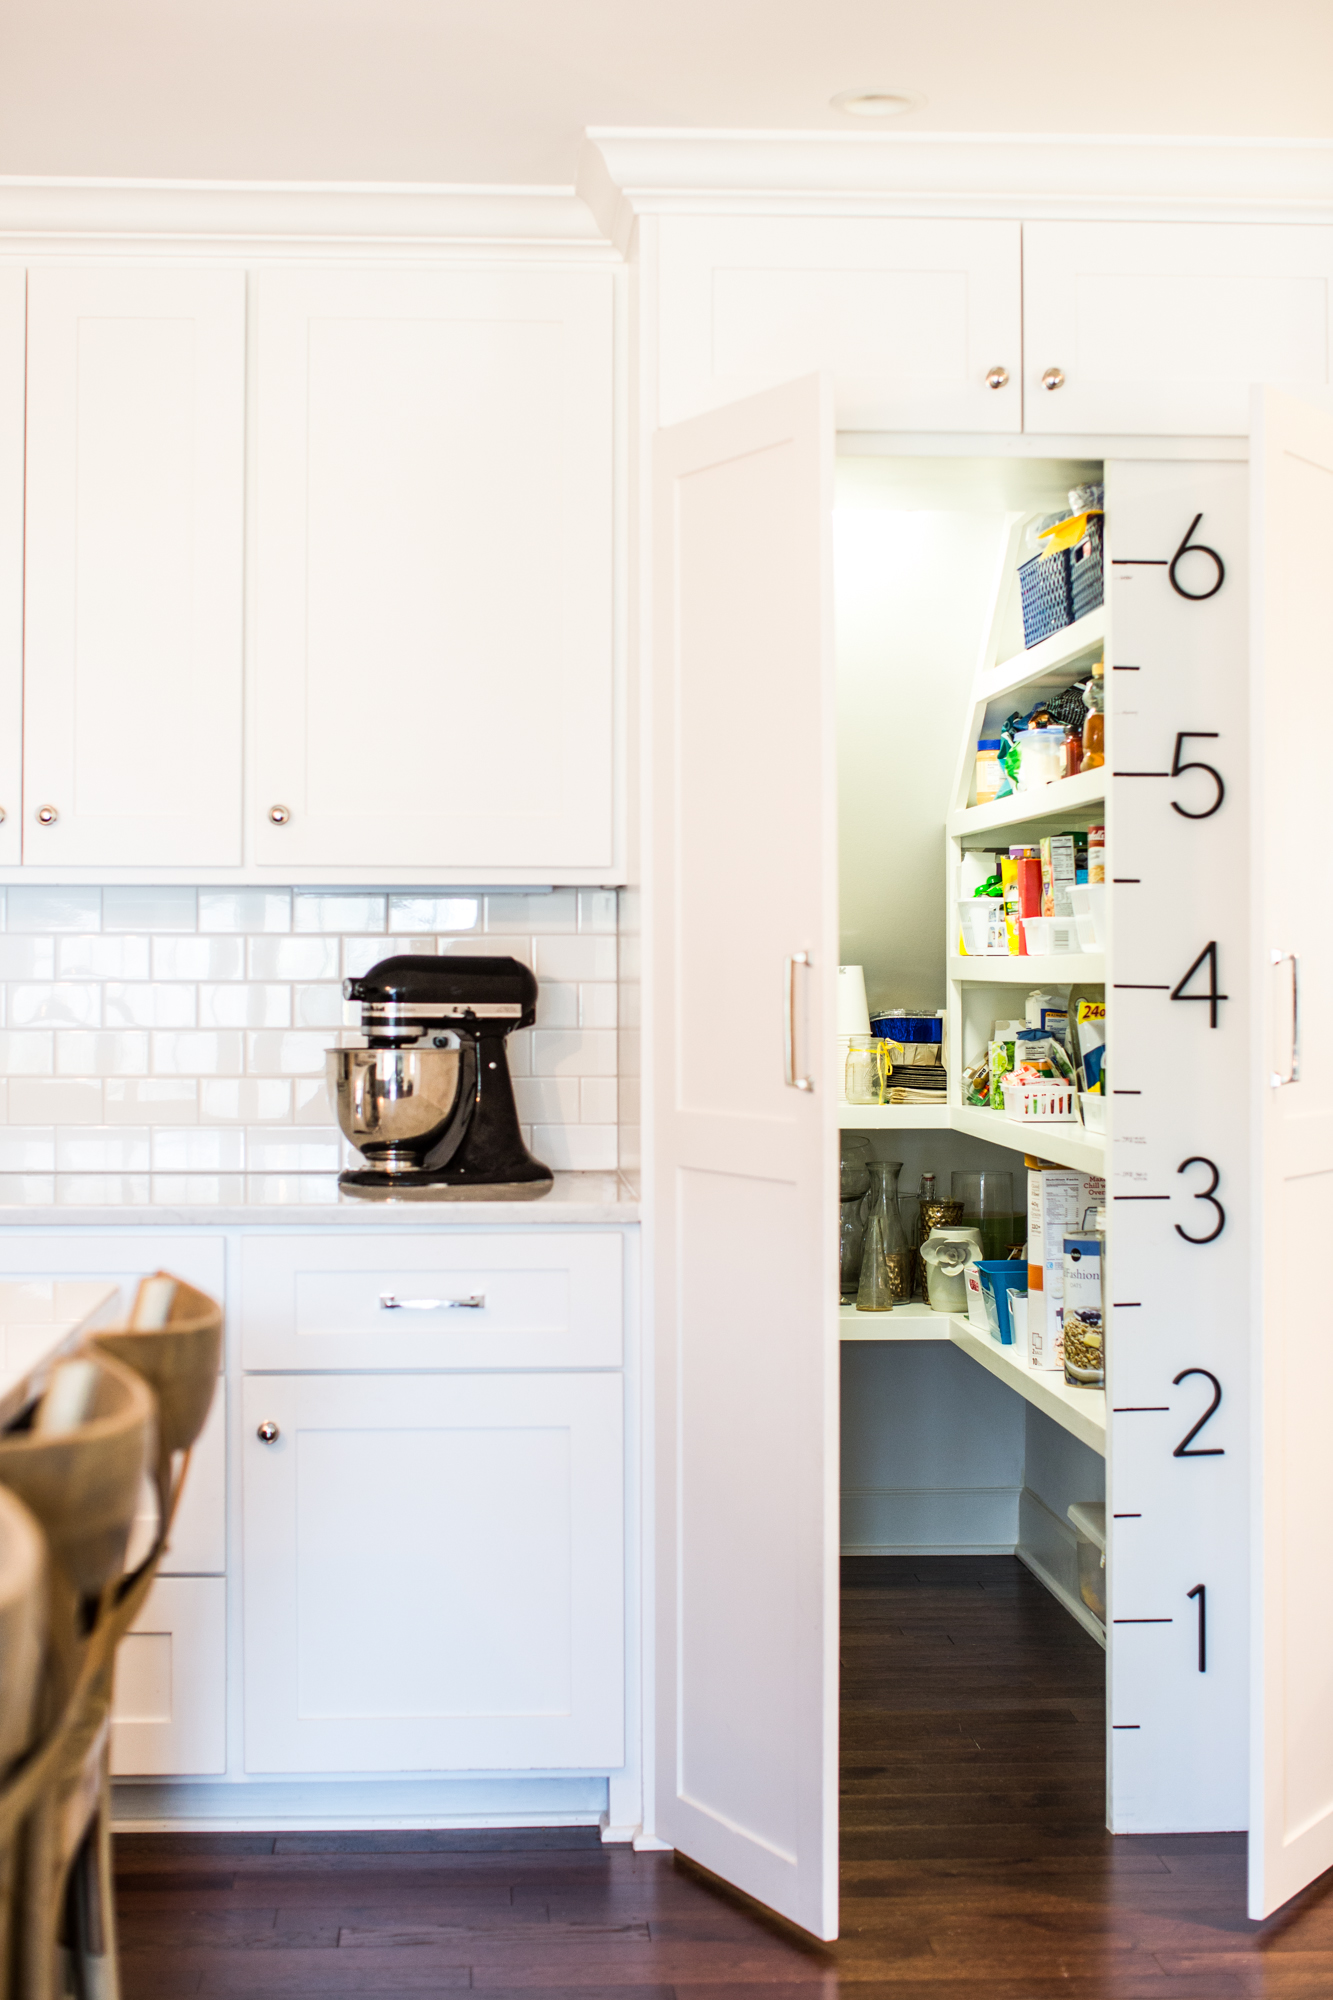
column 1209, row 1194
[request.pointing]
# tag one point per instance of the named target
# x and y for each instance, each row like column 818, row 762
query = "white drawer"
column 323, row 1301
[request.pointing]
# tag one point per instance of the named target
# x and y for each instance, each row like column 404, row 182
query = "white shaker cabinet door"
column 169, row 1711
column 1157, row 327
column 909, row 319
column 435, row 550
column 434, row 1572
column 132, row 680
column 13, row 307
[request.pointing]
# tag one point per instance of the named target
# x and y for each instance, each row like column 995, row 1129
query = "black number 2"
column 1182, row 1450
column 1183, row 737
column 1208, row 1194
column 1208, row 957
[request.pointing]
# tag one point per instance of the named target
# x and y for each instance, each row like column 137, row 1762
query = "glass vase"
column 886, row 1261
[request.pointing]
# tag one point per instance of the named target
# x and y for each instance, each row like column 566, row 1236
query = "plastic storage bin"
column 1089, row 1523
column 1046, row 937
column 999, row 1277
column 1048, row 1102
column 981, row 921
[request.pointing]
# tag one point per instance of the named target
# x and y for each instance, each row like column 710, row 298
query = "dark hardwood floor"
column 974, row 1861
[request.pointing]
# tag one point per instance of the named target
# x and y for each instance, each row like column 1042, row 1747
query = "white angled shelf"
column 910, row 1322
column 1081, row 1412
column 1055, row 660
column 1062, row 1145
column 1075, row 801
column 894, row 1117
column 1059, row 968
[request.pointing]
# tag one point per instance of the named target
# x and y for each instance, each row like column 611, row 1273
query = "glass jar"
column 867, row 1070
column 851, row 1244
column 886, row 1261
column 988, row 1202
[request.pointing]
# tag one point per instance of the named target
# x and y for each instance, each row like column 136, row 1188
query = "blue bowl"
column 999, row 1277
column 907, row 1027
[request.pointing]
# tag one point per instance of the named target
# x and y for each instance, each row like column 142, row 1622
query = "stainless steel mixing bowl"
column 399, row 1106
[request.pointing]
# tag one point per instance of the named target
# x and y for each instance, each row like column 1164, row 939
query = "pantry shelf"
column 1075, row 802
column 1060, row 968
column 893, row 1117
column 1063, row 1145
column 910, row 1322
column 1053, row 660
column 1081, row 1412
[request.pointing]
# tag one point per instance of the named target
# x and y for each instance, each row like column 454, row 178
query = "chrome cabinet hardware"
column 1054, row 378
column 789, row 1022
column 279, row 814
column 1277, row 1081
column 997, row 378
column 268, row 1432
column 46, row 815
column 472, row 1303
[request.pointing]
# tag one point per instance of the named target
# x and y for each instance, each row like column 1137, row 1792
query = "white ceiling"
column 500, row 90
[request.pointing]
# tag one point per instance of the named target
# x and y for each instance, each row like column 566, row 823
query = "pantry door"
column 741, row 1146
column 1291, row 1802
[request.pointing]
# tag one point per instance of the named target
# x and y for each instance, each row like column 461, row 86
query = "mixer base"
column 400, row 1188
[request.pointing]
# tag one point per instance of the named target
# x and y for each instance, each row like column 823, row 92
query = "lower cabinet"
column 169, row 1715
column 433, row 1572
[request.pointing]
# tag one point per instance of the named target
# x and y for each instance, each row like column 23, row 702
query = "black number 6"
column 1183, row 737
column 1209, row 1194
column 1189, row 548
column 1182, row 1450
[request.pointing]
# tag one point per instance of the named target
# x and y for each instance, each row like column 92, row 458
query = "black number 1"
column 1202, row 1595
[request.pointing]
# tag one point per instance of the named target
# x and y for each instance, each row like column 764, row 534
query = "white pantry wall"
column 167, row 1044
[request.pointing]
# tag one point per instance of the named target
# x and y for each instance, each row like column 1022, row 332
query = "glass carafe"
column 886, row 1261
column 988, row 1202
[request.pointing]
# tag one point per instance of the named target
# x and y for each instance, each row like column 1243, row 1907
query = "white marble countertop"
column 575, row 1199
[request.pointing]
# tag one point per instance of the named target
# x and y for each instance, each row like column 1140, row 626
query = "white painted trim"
column 249, row 216
column 624, row 173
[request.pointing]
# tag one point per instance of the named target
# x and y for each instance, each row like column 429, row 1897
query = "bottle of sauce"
column 1094, row 726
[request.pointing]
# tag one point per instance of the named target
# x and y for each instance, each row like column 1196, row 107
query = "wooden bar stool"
column 23, row 1621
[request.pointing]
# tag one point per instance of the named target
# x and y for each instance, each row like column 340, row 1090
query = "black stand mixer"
column 428, row 1100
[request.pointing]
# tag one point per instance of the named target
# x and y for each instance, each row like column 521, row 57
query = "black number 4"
column 1208, row 957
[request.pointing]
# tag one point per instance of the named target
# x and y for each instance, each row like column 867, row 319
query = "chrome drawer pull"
column 473, row 1303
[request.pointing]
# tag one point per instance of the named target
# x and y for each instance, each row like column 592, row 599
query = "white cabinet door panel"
column 133, row 664
column 548, row 1301
column 435, row 587
column 906, row 317
column 198, row 1544
column 169, row 1712
column 745, row 1291
column 434, row 1573
column 13, row 337
column 1162, row 327
column 1291, row 1728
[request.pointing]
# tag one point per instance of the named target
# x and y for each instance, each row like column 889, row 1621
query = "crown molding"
column 624, row 174
column 290, row 215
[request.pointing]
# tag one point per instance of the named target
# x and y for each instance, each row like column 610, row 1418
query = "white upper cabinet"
column 435, row 611
column 132, row 679
column 13, row 295
column 909, row 318
column 1162, row 327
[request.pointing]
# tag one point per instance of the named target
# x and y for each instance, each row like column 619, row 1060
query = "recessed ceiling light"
column 877, row 103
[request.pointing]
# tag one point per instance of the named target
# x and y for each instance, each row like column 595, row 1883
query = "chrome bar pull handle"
column 1293, row 1075
column 472, row 1303
column 789, row 1022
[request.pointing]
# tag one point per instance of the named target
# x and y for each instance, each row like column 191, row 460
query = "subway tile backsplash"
column 167, row 1044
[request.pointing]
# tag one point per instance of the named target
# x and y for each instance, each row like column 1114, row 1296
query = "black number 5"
column 1209, row 1194
column 1177, row 768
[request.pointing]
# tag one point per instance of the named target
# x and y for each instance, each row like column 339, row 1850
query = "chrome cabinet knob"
column 1054, row 378
column 47, row 815
column 998, row 378
column 268, row 1432
column 279, row 814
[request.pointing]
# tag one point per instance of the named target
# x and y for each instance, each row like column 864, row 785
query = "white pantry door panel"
column 742, row 1166
column 133, row 665
column 13, row 335
column 434, row 1573
column 1163, row 326
column 435, row 644
column 1291, row 1736
column 908, row 318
